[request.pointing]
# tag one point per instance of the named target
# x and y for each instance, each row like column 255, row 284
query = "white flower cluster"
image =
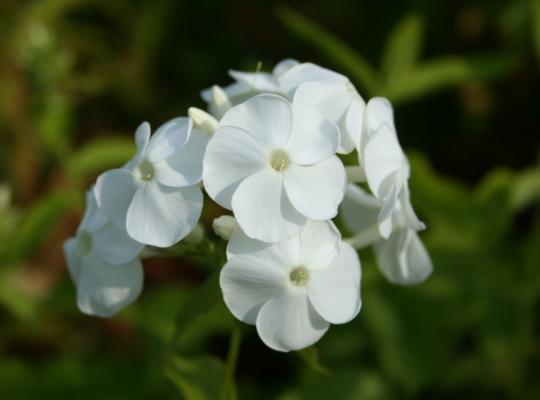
column 268, row 151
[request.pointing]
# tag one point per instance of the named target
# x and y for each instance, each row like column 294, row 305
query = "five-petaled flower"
column 156, row 196
column 292, row 291
column 272, row 162
column 103, row 263
column 385, row 165
column 402, row 258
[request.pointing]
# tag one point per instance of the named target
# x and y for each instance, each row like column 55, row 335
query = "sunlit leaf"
column 39, row 220
column 311, row 357
column 100, row 155
column 526, row 189
column 197, row 378
column 402, row 49
column 443, row 73
column 535, row 9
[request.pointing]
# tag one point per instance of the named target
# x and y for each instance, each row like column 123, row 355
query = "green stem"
column 229, row 389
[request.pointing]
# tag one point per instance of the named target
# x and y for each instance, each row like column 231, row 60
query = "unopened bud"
column 224, row 226
column 202, row 120
column 220, row 103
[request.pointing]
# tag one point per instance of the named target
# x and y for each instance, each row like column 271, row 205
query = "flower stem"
column 229, row 388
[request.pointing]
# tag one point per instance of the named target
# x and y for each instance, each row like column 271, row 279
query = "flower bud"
column 224, row 226
column 220, row 102
column 202, row 120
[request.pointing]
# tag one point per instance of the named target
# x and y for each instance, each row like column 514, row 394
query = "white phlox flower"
column 331, row 95
column 402, row 258
column 247, row 85
column 103, row 263
column 386, row 167
column 273, row 163
column 156, row 196
column 292, row 291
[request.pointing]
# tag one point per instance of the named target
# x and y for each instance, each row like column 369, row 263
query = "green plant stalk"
column 229, row 388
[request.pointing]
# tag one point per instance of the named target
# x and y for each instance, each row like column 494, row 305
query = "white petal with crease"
column 316, row 190
column 263, row 209
column 162, row 216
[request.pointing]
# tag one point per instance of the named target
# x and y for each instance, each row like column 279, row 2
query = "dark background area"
column 77, row 77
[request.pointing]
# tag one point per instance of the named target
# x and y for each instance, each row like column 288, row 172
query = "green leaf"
column 197, row 305
column 526, row 189
column 201, row 378
column 332, row 47
column 443, row 73
column 41, row 217
column 16, row 300
column 402, row 49
column 197, row 379
column 535, row 9
column 100, row 155
column 311, row 357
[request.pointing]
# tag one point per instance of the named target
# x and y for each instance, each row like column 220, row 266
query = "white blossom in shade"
column 402, row 258
column 385, row 165
column 249, row 84
column 331, row 95
column 103, row 263
column 292, row 291
column 272, row 162
column 156, row 196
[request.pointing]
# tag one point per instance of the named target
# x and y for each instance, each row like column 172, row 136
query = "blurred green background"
column 77, row 77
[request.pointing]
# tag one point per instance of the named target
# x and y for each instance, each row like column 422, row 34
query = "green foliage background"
column 76, row 78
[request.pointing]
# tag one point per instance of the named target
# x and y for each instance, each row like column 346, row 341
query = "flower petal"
column 403, row 259
column 169, row 139
column 162, row 216
column 329, row 99
column 283, row 66
column 359, row 209
column 316, row 190
column 307, row 72
column 240, row 244
column 142, row 137
column 266, row 117
column 72, row 260
column 335, row 291
column 410, row 218
column 286, row 253
column 257, row 81
column 104, row 289
column 354, row 122
column 289, row 322
column 313, row 138
column 183, row 168
column 231, row 156
column 319, row 244
column 249, row 281
column 114, row 245
column 390, row 204
column 93, row 219
column 263, row 209
column 114, row 192
column 383, row 157
column 378, row 111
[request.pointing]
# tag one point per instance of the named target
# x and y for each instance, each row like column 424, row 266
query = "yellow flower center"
column 279, row 160
column 299, row 276
column 146, row 170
